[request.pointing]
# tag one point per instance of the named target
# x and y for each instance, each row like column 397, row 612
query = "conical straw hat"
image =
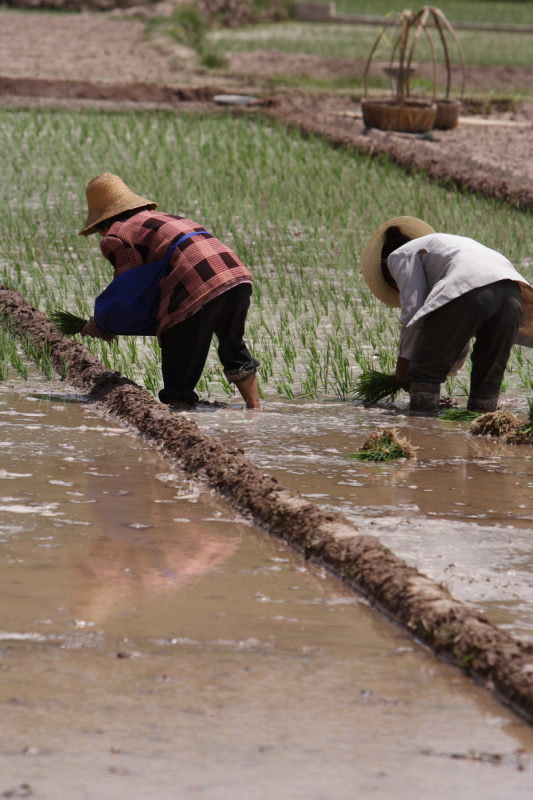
column 412, row 228
column 107, row 195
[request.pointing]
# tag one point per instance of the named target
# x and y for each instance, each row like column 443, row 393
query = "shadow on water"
column 155, row 644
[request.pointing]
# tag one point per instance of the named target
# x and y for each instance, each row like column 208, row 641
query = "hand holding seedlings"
column 451, row 289
column 174, row 280
column 91, row 329
column 374, row 386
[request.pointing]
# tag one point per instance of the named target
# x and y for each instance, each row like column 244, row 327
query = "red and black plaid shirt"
column 200, row 269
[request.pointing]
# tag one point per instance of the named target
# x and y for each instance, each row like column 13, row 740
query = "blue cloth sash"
column 129, row 306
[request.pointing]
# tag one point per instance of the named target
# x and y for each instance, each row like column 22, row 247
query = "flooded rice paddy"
column 154, row 644
column 462, row 512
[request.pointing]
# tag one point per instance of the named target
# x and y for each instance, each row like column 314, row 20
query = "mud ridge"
column 117, row 92
column 450, row 628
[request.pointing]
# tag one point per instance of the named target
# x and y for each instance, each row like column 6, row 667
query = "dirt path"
column 269, row 63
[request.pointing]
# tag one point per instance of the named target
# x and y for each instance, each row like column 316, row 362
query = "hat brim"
column 95, row 219
column 412, row 228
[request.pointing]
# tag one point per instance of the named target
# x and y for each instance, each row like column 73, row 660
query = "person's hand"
column 91, row 329
column 402, row 368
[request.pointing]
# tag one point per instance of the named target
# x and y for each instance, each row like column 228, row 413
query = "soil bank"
column 451, row 629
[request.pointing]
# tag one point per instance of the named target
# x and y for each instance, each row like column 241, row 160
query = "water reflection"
column 464, row 501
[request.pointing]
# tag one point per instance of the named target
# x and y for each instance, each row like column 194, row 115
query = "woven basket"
column 416, row 116
column 447, row 114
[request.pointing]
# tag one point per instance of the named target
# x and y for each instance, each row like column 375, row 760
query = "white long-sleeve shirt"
column 434, row 269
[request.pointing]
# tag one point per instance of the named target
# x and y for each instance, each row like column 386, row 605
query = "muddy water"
column 462, row 512
column 153, row 644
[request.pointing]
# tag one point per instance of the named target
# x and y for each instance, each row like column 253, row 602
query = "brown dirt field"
column 93, row 47
column 268, row 63
column 453, row 630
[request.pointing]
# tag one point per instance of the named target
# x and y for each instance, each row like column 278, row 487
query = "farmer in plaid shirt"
column 175, row 280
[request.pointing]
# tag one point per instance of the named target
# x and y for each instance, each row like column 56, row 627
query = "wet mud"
column 155, row 644
column 452, row 629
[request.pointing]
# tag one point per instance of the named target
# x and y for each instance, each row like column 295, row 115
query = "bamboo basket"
column 401, row 112
column 414, row 116
column 447, row 115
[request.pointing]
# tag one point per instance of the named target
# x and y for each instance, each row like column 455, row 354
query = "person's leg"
column 443, row 338
column 239, row 365
column 184, row 351
column 493, row 344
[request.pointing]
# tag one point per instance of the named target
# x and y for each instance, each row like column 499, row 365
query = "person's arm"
column 92, row 329
column 402, row 368
column 408, row 271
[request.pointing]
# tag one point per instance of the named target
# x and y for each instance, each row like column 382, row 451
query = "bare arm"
column 91, row 329
column 402, row 368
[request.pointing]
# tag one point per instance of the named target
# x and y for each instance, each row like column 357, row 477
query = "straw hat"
column 411, row 227
column 108, row 195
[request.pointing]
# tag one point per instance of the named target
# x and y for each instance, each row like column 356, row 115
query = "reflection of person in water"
column 165, row 556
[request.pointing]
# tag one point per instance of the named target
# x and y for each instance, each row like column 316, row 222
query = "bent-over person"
column 451, row 289
column 173, row 279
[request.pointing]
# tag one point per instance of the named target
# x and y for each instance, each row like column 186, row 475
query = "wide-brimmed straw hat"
column 108, row 195
column 412, row 228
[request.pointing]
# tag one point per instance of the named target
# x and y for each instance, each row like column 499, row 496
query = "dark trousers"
column 185, row 346
column 492, row 315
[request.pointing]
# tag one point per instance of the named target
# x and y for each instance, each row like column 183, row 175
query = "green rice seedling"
column 373, row 386
column 69, row 324
column 45, row 363
column 460, row 415
column 384, row 444
column 18, row 363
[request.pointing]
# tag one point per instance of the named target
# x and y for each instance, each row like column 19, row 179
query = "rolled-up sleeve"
column 408, row 272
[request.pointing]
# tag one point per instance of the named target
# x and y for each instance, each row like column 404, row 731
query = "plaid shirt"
column 200, row 269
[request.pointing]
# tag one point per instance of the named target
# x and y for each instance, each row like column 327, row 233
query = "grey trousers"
column 490, row 314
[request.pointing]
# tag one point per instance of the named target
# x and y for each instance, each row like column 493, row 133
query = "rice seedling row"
column 296, row 211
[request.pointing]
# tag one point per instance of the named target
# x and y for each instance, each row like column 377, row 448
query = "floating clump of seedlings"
column 498, row 424
column 460, row 415
column 384, row 445
column 374, row 386
column 523, row 433
column 69, row 324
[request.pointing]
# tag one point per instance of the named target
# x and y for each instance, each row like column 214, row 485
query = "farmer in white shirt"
column 450, row 289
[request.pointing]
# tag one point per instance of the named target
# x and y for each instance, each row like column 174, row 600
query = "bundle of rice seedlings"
column 374, row 386
column 69, row 324
column 460, row 415
column 384, row 445
column 495, row 423
column 523, row 433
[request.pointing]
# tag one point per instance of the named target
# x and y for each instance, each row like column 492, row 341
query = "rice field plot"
column 486, row 48
column 495, row 11
column 296, row 211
